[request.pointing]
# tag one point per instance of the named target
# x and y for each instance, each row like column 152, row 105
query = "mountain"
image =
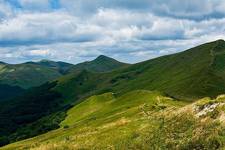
column 26, row 75
column 62, row 67
column 15, row 78
column 31, row 74
column 195, row 73
column 100, row 64
column 186, row 76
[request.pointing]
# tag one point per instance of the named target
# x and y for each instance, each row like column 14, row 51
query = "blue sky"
column 128, row 30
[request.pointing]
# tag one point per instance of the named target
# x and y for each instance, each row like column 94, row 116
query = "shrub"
column 3, row 141
column 66, row 127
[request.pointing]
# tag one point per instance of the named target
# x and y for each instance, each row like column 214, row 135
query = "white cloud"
column 38, row 52
column 44, row 28
column 192, row 9
column 122, row 31
column 5, row 10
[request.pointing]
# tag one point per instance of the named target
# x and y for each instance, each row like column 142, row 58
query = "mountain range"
column 19, row 77
column 104, row 97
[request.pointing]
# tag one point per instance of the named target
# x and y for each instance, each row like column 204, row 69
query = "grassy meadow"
column 139, row 119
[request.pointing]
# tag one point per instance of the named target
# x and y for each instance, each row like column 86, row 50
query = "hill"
column 189, row 75
column 136, row 120
column 100, row 64
column 26, row 75
column 62, row 67
column 31, row 74
column 15, row 78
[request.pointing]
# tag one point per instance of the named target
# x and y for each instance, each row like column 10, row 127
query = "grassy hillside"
column 62, row 67
column 136, row 120
column 33, row 74
column 40, row 108
column 100, row 64
column 189, row 75
column 26, row 75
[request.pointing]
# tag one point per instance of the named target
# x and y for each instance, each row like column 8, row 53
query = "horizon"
column 78, row 31
column 94, row 58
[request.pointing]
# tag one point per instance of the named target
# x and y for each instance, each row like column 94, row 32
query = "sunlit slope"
column 41, row 109
column 188, row 75
column 104, row 115
column 137, row 120
column 87, row 108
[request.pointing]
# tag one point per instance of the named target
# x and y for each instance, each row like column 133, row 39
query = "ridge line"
column 212, row 54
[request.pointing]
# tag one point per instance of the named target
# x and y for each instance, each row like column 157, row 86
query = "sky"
column 128, row 30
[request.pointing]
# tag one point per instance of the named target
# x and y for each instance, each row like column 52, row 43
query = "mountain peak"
column 45, row 60
column 220, row 40
column 100, row 64
column 220, row 46
column 103, row 57
column 2, row 63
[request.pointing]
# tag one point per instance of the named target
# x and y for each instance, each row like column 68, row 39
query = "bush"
column 4, row 141
column 66, row 127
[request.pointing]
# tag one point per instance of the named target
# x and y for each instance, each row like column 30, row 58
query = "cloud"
column 189, row 9
column 43, row 28
column 35, row 4
column 5, row 10
column 38, row 52
column 130, row 31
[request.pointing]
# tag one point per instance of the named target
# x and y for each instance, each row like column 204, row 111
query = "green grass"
column 136, row 120
column 87, row 108
column 100, row 64
column 32, row 74
column 27, row 75
column 188, row 76
column 104, row 113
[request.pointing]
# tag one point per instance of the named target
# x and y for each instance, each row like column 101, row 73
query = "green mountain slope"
column 32, row 74
column 136, row 120
column 26, row 75
column 188, row 75
column 8, row 92
column 62, row 67
column 100, row 64
column 14, row 79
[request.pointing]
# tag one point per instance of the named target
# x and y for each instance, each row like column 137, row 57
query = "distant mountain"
column 26, row 75
column 31, row 74
column 186, row 76
column 100, row 64
column 62, row 67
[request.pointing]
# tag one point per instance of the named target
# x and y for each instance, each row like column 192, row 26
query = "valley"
column 166, row 102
